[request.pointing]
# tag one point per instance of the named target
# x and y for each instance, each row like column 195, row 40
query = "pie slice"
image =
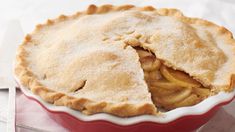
column 126, row 60
column 95, row 78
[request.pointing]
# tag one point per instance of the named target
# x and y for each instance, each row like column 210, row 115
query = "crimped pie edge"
column 87, row 106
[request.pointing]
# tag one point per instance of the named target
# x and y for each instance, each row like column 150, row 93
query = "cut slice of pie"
column 126, row 60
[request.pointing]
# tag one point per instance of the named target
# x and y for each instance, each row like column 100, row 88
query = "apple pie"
column 126, row 60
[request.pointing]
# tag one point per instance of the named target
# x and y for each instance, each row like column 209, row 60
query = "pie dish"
column 126, row 60
column 184, row 119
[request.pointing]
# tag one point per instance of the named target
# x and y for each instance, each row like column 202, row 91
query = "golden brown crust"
column 87, row 106
column 221, row 31
column 232, row 84
column 91, row 9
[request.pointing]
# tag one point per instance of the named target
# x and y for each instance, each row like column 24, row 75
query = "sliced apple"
column 189, row 101
column 147, row 63
column 150, row 63
column 156, row 64
column 158, row 91
column 153, row 75
column 143, row 53
column 176, row 97
column 179, row 78
column 165, row 84
column 202, row 92
column 148, row 60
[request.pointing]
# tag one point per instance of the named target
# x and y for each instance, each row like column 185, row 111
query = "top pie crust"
column 86, row 62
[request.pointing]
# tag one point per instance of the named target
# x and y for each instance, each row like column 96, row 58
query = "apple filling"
column 170, row 88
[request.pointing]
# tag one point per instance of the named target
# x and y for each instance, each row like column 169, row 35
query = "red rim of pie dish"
column 202, row 109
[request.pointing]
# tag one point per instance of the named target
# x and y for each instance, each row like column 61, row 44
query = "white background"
column 30, row 12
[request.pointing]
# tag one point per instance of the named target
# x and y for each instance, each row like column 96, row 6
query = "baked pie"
column 126, row 60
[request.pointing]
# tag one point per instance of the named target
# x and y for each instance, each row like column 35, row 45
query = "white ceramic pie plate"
column 166, row 117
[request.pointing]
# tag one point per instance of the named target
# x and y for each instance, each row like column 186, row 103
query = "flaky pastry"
column 90, row 61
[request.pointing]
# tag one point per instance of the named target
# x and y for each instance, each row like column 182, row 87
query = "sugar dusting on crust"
column 68, row 50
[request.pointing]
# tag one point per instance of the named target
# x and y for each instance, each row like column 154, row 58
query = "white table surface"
column 29, row 13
